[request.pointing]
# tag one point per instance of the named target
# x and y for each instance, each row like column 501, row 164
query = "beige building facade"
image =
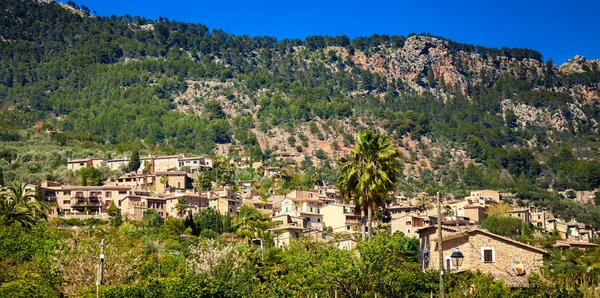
column 408, row 224
column 340, row 218
column 82, row 199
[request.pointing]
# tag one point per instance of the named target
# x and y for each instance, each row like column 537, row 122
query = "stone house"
column 194, row 163
column 483, row 251
column 329, row 195
column 136, row 181
column 399, row 208
column 567, row 230
column 301, row 205
column 82, row 199
column 195, row 202
column 408, row 223
column 134, row 206
column 78, row 164
column 581, row 245
column 521, row 213
column 475, row 213
column 288, row 228
column 265, row 207
column 116, row 164
column 224, row 201
column 178, row 181
column 484, row 194
column 160, row 163
column 271, row 171
column 543, row 220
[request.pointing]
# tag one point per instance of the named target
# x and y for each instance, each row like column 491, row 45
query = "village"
column 322, row 215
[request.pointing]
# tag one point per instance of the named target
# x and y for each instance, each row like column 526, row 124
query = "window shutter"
column 487, row 255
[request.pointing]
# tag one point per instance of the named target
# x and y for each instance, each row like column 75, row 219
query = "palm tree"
column 315, row 179
column 18, row 204
column 250, row 223
column 164, row 180
column 11, row 212
column 19, row 193
column 369, row 174
column 203, row 181
column 425, row 202
column 181, row 206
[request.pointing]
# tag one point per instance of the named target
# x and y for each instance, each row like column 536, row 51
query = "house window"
column 324, row 235
column 311, row 209
column 66, row 202
column 448, row 263
column 108, row 194
column 408, row 223
column 318, row 220
column 409, row 230
column 347, row 227
column 66, row 193
column 308, row 219
column 488, row 255
column 539, row 217
column 122, row 192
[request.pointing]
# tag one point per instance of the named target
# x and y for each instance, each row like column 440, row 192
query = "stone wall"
column 471, row 246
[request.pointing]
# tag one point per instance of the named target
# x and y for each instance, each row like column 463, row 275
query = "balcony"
column 352, row 221
column 86, row 203
column 140, row 205
column 50, row 199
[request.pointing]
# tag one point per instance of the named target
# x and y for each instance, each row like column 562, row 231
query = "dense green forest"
column 81, row 85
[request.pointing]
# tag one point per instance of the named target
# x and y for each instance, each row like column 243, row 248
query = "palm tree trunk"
column 370, row 223
column 362, row 226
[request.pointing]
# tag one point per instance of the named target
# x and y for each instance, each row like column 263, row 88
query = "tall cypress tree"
column 134, row 161
column 1, row 177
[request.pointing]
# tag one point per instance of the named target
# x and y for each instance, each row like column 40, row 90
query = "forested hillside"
column 465, row 116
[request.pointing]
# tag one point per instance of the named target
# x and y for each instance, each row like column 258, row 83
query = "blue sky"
column 557, row 29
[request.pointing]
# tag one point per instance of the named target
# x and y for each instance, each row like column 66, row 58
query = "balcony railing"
column 140, row 205
column 86, row 203
column 50, row 199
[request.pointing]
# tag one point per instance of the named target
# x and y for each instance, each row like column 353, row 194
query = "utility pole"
column 100, row 268
column 440, row 247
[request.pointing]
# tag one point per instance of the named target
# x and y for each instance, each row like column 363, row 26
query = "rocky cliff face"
column 423, row 58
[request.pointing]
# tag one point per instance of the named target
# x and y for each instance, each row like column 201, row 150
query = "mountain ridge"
column 465, row 116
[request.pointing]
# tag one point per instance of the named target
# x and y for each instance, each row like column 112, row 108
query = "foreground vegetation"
column 59, row 258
